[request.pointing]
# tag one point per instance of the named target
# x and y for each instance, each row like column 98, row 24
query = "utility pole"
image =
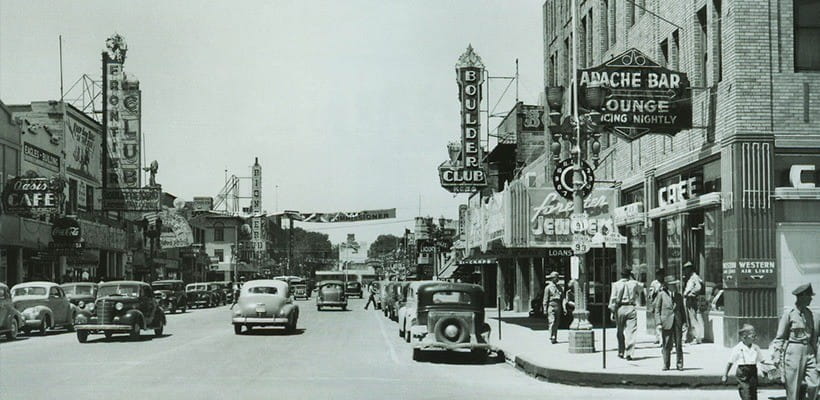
column 290, row 245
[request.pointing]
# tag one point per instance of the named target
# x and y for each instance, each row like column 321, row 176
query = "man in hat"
column 552, row 305
column 670, row 317
column 797, row 339
column 694, row 288
column 622, row 303
column 652, row 294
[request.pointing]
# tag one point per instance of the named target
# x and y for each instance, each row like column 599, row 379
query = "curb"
column 633, row 381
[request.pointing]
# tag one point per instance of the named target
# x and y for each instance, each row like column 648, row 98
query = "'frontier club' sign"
column 643, row 97
column 464, row 172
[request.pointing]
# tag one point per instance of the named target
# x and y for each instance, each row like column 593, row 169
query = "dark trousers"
column 668, row 337
column 371, row 300
column 747, row 381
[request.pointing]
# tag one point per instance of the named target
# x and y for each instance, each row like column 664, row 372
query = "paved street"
column 335, row 354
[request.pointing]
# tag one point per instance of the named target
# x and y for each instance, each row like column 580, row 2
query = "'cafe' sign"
column 31, row 195
column 677, row 193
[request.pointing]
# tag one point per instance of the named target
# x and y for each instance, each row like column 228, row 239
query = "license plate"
column 260, row 309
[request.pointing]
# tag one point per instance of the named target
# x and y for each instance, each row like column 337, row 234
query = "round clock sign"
column 562, row 179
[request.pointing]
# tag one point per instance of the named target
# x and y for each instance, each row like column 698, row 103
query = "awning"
column 478, row 260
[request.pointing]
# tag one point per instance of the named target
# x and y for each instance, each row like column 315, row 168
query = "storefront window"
column 713, row 253
column 636, row 251
column 669, row 236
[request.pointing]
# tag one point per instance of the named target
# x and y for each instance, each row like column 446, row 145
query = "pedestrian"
column 371, row 299
column 746, row 355
column 622, row 303
column 670, row 317
column 691, row 294
column 796, row 340
column 552, row 305
column 652, row 296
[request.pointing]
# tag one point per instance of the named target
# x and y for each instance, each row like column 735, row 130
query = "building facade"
column 736, row 194
column 11, row 246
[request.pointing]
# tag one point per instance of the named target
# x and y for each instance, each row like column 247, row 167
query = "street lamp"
column 578, row 131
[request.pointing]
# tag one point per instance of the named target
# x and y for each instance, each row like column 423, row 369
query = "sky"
column 349, row 105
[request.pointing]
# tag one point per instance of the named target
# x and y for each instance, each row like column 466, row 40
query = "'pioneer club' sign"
column 643, row 97
column 466, row 174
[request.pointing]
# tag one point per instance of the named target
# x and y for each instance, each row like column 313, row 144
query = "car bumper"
column 452, row 347
column 33, row 323
column 260, row 321
column 103, row 327
column 332, row 303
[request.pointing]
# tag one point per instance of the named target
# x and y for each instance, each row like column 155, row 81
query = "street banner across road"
column 366, row 215
column 123, row 199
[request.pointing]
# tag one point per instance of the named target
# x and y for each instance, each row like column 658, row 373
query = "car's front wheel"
column 134, row 334
column 237, row 329
column 158, row 330
column 13, row 330
column 82, row 336
column 108, row 334
column 70, row 326
column 45, row 324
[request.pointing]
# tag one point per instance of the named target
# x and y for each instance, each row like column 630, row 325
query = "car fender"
column 39, row 312
column 290, row 310
column 133, row 315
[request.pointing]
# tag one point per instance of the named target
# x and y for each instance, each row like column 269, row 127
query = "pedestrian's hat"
column 552, row 275
column 670, row 279
column 803, row 289
column 687, row 264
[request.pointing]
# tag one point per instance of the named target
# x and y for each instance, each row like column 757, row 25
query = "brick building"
column 751, row 215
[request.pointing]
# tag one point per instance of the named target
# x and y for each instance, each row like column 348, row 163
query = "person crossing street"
column 371, row 299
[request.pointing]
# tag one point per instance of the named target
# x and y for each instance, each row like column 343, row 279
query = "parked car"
column 449, row 316
column 122, row 307
column 354, row 288
column 171, row 295
column 81, row 294
column 331, row 294
column 199, row 295
column 44, row 305
column 265, row 302
column 300, row 291
column 393, row 292
column 11, row 321
column 217, row 293
column 407, row 308
column 227, row 289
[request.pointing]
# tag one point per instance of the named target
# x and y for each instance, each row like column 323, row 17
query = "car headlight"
column 164, row 296
column 81, row 304
column 90, row 306
column 118, row 306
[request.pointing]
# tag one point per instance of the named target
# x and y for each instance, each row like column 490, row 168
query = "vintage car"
column 406, row 306
column 81, row 294
column 392, row 294
column 199, row 295
column 44, row 305
column 227, row 289
column 170, row 295
column 217, row 289
column 354, row 288
column 331, row 294
column 448, row 316
column 300, row 290
column 122, row 307
column 10, row 319
column 264, row 302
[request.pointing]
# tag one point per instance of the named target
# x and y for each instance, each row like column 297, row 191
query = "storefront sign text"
column 550, row 223
column 37, row 155
column 143, row 199
column 30, row 196
column 677, row 192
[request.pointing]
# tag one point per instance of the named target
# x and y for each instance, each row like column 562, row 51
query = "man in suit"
column 671, row 319
column 622, row 303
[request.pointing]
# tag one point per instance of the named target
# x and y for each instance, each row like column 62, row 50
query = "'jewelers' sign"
column 642, row 97
column 464, row 172
column 549, row 216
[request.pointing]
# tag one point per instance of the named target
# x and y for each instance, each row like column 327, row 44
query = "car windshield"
column 353, row 284
column 83, row 290
column 191, row 288
column 29, row 291
column 263, row 290
column 448, row 297
column 332, row 286
column 163, row 286
column 119, row 290
column 213, row 287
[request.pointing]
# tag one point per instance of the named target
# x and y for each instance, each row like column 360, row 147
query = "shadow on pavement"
column 37, row 333
column 461, row 358
column 272, row 332
column 124, row 338
column 20, row 338
column 536, row 324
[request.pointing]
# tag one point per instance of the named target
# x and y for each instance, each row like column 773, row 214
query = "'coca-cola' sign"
column 66, row 230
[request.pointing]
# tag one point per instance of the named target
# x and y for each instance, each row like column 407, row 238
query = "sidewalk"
column 525, row 342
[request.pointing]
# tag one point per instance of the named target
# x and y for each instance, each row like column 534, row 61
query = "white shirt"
column 743, row 355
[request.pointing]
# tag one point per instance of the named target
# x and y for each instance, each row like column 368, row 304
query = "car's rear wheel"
column 134, row 334
column 173, row 309
column 82, row 336
column 158, row 331
column 70, row 326
column 184, row 308
column 237, row 329
column 318, row 308
column 480, row 355
column 13, row 330
column 45, row 324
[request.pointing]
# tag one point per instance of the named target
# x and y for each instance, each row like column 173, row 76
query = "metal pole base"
column 582, row 341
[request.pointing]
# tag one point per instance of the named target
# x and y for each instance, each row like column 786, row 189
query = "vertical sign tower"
column 257, row 220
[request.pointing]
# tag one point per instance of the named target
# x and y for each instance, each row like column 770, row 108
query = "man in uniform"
column 622, row 303
column 797, row 339
column 694, row 286
column 552, row 305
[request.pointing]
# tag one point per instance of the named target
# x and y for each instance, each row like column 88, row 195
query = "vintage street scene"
column 364, row 199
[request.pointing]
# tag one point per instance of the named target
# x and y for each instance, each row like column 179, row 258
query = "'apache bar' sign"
column 366, row 215
column 642, row 96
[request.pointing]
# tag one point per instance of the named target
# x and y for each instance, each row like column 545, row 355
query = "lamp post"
column 581, row 132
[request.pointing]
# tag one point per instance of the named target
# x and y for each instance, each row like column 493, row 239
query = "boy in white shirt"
column 746, row 355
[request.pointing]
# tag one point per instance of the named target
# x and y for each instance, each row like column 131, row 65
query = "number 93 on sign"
column 580, row 247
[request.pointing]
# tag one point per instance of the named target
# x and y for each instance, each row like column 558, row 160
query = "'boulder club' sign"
column 464, row 172
column 642, row 97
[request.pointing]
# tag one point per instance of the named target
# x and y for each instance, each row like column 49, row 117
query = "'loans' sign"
column 642, row 97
